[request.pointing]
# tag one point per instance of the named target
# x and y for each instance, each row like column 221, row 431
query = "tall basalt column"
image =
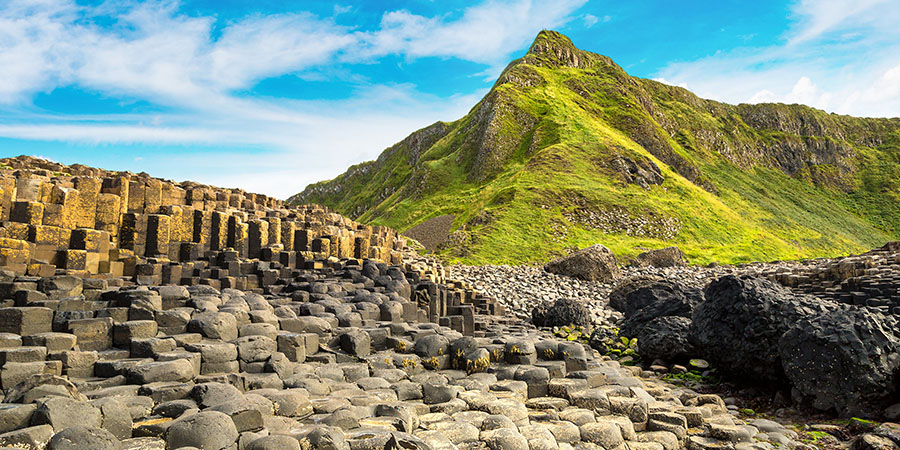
column 7, row 195
column 303, row 239
column 157, row 235
column 241, row 241
column 108, row 213
column 135, row 196
column 218, row 232
column 258, row 237
column 117, row 186
column 152, row 196
column 27, row 212
column 133, row 234
column 287, row 235
column 274, row 230
column 201, row 230
column 86, row 207
column 28, row 188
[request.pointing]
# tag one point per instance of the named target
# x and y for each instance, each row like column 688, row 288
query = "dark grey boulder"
column 562, row 312
column 255, row 348
column 64, row 412
column 211, row 394
column 646, row 299
column 665, row 338
column 114, row 417
column 327, row 438
column 215, row 325
column 843, row 360
column 433, row 345
column 274, row 442
column 177, row 370
column 738, row 327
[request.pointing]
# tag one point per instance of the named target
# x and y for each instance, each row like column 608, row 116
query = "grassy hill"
column 568, row 150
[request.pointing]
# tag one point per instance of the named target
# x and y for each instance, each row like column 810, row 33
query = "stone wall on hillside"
column 93, row 222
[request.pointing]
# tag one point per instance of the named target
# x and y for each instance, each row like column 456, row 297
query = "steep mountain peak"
column 556, row 48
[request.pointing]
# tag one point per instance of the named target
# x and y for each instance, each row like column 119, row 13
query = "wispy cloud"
column 836, row 56
column 486, row 33
column 194, row 69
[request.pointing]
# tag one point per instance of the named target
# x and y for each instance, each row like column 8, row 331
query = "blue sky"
column 271, row 95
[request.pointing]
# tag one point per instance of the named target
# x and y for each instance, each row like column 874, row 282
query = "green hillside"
column 568, row 150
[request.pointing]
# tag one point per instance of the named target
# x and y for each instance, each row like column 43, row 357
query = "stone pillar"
column 86, row 207
column 157, row 235
column 152, row 196
column 274, row 230
column 287, row 234
column 258, row 237
column 7, row 195
column 108, row 213
column 218, row 232
column 28, row 188
column 117, row 186
column 201, row 233
column 133, row 234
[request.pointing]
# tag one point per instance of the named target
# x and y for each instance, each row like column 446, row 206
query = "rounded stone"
column 274, row 442
column 207, row 430
column 84, row 438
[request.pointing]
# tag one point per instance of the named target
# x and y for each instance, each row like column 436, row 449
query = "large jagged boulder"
column 563, row 312
column 843, row 360
column 658, row 313
column 618, row 297
column 665, row 338
column 658, row 298
column 663, row 257
column 740, row 323
column 595, row 263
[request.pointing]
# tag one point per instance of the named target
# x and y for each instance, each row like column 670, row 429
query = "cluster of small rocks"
column 521, row 288
column 618, row 220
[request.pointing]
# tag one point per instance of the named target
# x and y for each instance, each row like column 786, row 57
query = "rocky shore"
column 806, row 342
column 333, row 367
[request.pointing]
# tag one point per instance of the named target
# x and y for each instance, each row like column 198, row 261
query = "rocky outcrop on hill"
column 594, row 263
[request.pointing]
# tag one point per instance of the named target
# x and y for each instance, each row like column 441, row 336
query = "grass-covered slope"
column 567, row 150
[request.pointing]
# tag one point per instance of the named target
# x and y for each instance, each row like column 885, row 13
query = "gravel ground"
column 521, row 288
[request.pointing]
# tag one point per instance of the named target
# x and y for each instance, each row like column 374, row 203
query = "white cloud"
column 485, row 33
column 192, row 68
column 763, row 96
column 817, row 18
column 155, row 52
column 590, row 20
column 665, row 81
column 840, row 57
